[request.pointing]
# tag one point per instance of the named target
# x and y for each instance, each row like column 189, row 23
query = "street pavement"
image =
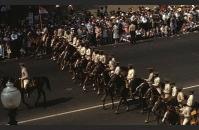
column 175, row 58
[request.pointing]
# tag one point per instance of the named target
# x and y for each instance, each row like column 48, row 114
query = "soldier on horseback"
column 156, row 83
column 167, row 90
column 24, row 76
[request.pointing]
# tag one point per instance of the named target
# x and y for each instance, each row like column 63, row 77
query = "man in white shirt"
column 156, row 83
column 24, row 76
column 180, row 97
column 186, row 112
column 174, row 90
column 112, row 64
column 190, row 100
column 117, row 69
column 151, row 75
column 82, row 51
column 167, row 89
column 131, row 74
column 88, row 53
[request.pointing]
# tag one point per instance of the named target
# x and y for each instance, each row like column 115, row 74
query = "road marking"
column 83, row 109
column 194, row 86
column 64, row 113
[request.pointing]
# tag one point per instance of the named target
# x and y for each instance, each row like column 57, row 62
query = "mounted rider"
column 112, row 65
column 180, row 97
column 130, row 75
column 88, row 53
column 24, row 76
column 102, row 58
column 151, row 75
column 156, row 82
column 190, row 100
column 167, row 89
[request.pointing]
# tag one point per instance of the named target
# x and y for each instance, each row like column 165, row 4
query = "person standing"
column 132, row 29
column 116, row 33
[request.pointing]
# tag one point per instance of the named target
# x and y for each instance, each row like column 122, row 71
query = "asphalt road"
column 174, row 58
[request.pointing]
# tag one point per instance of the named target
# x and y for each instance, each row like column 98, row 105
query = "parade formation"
column 74, row 46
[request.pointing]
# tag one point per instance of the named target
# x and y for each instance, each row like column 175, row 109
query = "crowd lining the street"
column 104, row 28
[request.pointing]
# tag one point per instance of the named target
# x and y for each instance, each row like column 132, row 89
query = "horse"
column 159, row 109
column 35, row 84
column 150, row 97
column 115, row 87
column 171, row 117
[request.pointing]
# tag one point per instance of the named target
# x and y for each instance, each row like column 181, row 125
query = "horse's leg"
column 112, row 96
column 120, row 102
column 127, row 104
column 148, row 115
column 104, row 100
column 23, row 100
column 38, row 97
column 44, row 97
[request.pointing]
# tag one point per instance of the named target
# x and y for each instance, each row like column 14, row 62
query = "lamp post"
column 11, row 98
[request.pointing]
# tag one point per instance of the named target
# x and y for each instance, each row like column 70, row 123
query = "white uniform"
column 74, row 41
column 103, row 59
column 131, row 74
column 93, row 56
column 83, row 51
column 79, row 48
column 88, row 54
column 24, row 77
column 186, row 112
column 96, row 59
column 156, row 84
column 111, row 64
column 117, row 70
column 190, row 100
column 150, row 77
column 174, row 91
column 167, row 90
column 60, row 32
column 180, row 97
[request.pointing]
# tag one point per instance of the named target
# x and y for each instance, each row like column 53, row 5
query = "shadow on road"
column 55, row 101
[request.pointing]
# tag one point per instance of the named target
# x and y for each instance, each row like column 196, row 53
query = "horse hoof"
column 146, row 121
column 127, row 109
column 116, row 112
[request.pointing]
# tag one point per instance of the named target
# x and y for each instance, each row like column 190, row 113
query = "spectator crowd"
column 100, row 29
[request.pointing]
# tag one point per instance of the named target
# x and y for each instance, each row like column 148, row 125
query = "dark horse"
column 36, row 83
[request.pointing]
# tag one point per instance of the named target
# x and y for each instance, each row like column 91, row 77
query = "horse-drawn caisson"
column 98, row 71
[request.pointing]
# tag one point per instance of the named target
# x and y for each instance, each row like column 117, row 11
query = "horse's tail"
column 47, row 82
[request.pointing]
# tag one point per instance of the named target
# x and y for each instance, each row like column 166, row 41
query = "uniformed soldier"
column 174, row 90
column 93, row 55
column 180, row 97
column 151, row 75
column 117, row 69
column 167, row 90
column 186, row 112
column 96, row 58
column 131, row 73
column 190, row 100
column 88, row 53
column 156, row 82
column 112, row 64
column 24, row 76
column 102, row 57
column 74, row 41
column 82, row 51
